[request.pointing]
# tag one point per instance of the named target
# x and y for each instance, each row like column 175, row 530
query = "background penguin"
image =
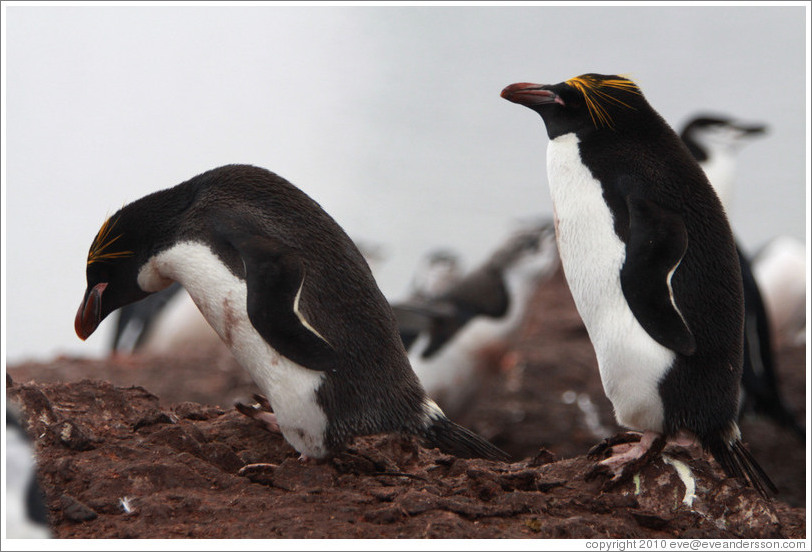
column 436, row 272
column 714, row 141
column 290, row 294
column 135, row 322
column 650, row 259
column 470, row 321
column 780, row 269
column 26, row 512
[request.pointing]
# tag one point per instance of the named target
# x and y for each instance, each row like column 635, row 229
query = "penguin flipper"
column 275, row 277
column 657, row 243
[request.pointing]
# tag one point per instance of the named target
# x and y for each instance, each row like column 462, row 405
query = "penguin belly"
column 222, row 298
column 631, row 362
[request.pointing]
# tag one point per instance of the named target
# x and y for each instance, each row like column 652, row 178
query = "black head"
column 704, row 134
column 583, row 104
column 123, row 245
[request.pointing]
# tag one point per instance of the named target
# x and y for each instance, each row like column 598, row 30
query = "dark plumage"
column 290, row 294
column 650, row 258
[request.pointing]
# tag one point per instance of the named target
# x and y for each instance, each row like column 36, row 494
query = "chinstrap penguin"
column 715, row 142
column 436, row 272
column 290, row 294
column 651, row 263
column 476, row 314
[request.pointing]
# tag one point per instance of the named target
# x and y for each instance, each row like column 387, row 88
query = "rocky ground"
column 151, row 447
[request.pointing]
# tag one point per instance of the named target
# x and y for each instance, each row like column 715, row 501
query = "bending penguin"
column 651, row 263
column 473, row 317
column 714, row 141
column 289, row 293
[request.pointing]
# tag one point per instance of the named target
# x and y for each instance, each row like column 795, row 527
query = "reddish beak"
column 528, row 94
column 88, row 317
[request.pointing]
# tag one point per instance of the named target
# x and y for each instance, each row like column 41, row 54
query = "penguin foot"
column 609, row 443
column 625, row 456
column 261, row 411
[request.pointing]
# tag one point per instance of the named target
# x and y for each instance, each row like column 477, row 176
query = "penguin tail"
column 736, row 461
column 452, row 438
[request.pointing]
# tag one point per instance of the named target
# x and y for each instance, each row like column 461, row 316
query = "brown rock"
column 153, row 449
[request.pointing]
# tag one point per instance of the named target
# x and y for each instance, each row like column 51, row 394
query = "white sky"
column 390, row 117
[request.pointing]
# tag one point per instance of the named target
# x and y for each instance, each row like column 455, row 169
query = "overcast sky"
column 390, row 117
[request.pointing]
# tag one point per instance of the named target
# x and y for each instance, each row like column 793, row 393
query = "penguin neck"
column 720, row 168
column 520, row 288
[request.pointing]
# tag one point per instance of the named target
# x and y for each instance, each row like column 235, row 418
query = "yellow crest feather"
column 102, row 241
column 596, row 97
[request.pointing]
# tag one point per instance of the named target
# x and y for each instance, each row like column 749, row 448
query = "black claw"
column 263, row 402
column 604, row 446
column 245, row 410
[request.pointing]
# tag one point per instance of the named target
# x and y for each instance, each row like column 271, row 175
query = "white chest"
column 221, row 298
column 631, row 363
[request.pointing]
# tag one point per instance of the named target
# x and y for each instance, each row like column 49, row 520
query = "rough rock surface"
column 151, row 447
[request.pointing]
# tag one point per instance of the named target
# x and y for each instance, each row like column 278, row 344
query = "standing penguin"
column 714, row 141
column 290, row 294
column 650, row 260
